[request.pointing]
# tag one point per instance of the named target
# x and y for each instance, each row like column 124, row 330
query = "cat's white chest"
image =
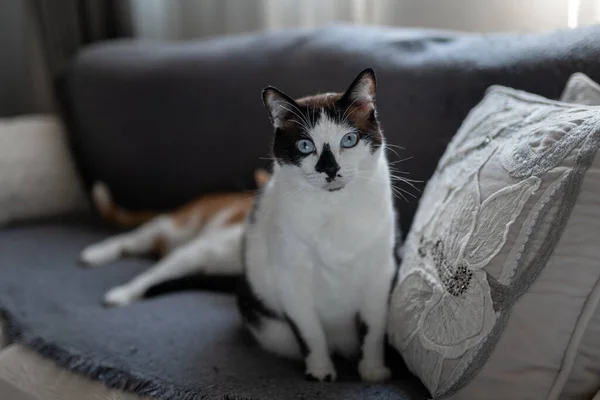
column 338, row 248
column 337, row 294
column 333, row 242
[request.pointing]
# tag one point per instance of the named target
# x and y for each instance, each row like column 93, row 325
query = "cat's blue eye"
column 305, row 146
column 349, row 140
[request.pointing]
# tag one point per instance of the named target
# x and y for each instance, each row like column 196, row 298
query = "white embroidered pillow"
column 494, row 291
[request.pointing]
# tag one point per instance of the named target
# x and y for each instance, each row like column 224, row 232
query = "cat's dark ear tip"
column 268, row 88
column 265, row 91
column 370, row 72
column 270, row 91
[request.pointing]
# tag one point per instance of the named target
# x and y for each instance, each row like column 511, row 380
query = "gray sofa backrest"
column 163, row 122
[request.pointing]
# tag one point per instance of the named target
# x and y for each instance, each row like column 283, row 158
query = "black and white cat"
column 316, row 251
column 318, row 247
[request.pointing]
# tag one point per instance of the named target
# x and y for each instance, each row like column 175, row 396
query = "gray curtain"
column 23, row 78
column 67, row 25
column 38, row 38
column 188, row 19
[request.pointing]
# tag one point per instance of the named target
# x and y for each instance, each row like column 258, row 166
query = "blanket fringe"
column 110, row 375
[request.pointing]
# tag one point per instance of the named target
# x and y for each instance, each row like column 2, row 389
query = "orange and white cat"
column 202, row 236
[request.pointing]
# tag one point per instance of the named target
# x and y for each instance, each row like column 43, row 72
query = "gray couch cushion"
column 163, row 122
column 174, row 346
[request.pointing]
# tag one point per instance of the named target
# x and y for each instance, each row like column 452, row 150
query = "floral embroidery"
column 455, row 278
column 548, row 145
column 459, row 313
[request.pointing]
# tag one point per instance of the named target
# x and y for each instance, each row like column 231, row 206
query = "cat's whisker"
column 306, row 117
column 370, row 178
column 401, row 160
column 404, row 179
column 395, row 171
column 393, row 151
column 392, row 163
column 394, row 187
column 409, row 184
column 399, row 179
column 345, row 117
column 399, row 189
column 397, row 193
column 297, row 114
column 305, row 124
column 301, row 124
column 395, row 145
column 351, row 112
column 405, row 191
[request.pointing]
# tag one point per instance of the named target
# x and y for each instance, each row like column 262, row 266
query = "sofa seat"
column 180, row 344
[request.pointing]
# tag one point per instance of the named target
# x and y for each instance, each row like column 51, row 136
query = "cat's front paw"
column 98, row 254
column 373, row 372
column 120, row 296
column 321, row 370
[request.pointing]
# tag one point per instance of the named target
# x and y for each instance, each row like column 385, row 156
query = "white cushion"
column 10, row 392
column 585, row 373
column 581, row 89
column 501, row 271
column 37, row 173
column 31, row 376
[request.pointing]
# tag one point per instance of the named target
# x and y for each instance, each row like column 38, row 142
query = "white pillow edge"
column 576, row 83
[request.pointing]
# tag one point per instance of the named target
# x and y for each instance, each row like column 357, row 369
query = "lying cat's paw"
column 320, row 370
column 99, row 254
column 120, row 296
column 373, row 373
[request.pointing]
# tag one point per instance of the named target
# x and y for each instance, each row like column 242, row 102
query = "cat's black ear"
column 279, row 105
column 361, row 92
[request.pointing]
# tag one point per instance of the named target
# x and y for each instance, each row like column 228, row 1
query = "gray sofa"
column 161, row 123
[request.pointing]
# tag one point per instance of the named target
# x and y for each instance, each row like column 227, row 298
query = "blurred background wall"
column 38, row 37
